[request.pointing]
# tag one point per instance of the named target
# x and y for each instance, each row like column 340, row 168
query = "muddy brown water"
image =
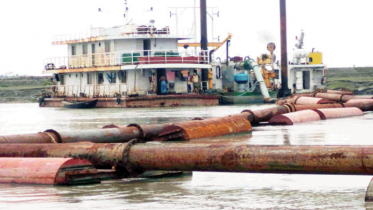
column 202, row 190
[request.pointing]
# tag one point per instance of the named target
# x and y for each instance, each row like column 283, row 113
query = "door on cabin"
column 160, row 73
column 93, row 53
column 306, row 80
column 146, row 47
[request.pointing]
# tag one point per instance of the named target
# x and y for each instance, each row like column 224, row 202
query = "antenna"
column 194, row 13
column 177, row 31
column 125, row 15
column 212, row 22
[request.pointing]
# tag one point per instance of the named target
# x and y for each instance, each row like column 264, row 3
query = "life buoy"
column 118, row 100
column 218, row 72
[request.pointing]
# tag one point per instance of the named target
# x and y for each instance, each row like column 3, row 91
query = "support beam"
column 203, row 25
column 284, row 91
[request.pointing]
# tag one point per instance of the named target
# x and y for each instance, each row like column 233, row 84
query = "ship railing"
column 63, row 90
column 79, row 36
column 88, row 90
column 130, row 31
column 138, row 57
column 144, row 31
column 107, row 90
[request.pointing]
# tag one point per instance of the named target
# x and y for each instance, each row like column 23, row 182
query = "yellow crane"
column 217, row 45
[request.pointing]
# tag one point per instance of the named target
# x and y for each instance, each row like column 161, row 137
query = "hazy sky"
column 341, row 29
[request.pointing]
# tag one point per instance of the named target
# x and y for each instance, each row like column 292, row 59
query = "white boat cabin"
column 119, row 61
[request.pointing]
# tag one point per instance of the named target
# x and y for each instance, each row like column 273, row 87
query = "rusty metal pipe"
column 343, row 92
column 354, row 160
column 212, row 127
column 330, row 97
column 156, row 132
column 310, row 100
column 363, row 105
column 263, row 115
column 211, row 157
column 107, row 135
column 41, row 137
column 346, row 98
column 100, row 155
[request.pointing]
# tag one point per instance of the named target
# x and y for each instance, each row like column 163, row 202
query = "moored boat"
column 80, row 104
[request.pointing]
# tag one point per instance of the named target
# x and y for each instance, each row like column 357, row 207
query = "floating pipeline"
column 53, row 171
column 199, row 128
column 314, row 115
column 349, row 160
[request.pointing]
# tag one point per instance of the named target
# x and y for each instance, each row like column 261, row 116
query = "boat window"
column 107, row 46
column 73, row 51
column 122, row 75
column 62, row 79
column 111, row 77
column 85, row 49
column 100, row 79
column 89, row 79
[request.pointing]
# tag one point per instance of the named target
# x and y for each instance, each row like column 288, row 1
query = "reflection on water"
column 203, row 190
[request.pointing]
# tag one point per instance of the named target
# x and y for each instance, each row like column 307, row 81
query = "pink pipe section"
column 359, row 100
column 52, row 171
column 295, row 117
column 339, row 113
column 340, row 97
column 343, row 92
column 311, row 100
column 314, row 115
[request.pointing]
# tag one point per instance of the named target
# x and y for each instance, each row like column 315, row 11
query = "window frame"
column 85, row 49
column 73, row 50
column 107, row 47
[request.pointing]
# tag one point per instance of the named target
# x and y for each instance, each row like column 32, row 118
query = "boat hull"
column 143, row 101
column 80, row 105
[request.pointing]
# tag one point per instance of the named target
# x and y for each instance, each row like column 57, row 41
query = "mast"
column 125, row 12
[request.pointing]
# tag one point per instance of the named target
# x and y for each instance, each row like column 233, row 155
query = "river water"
column 202, row 190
